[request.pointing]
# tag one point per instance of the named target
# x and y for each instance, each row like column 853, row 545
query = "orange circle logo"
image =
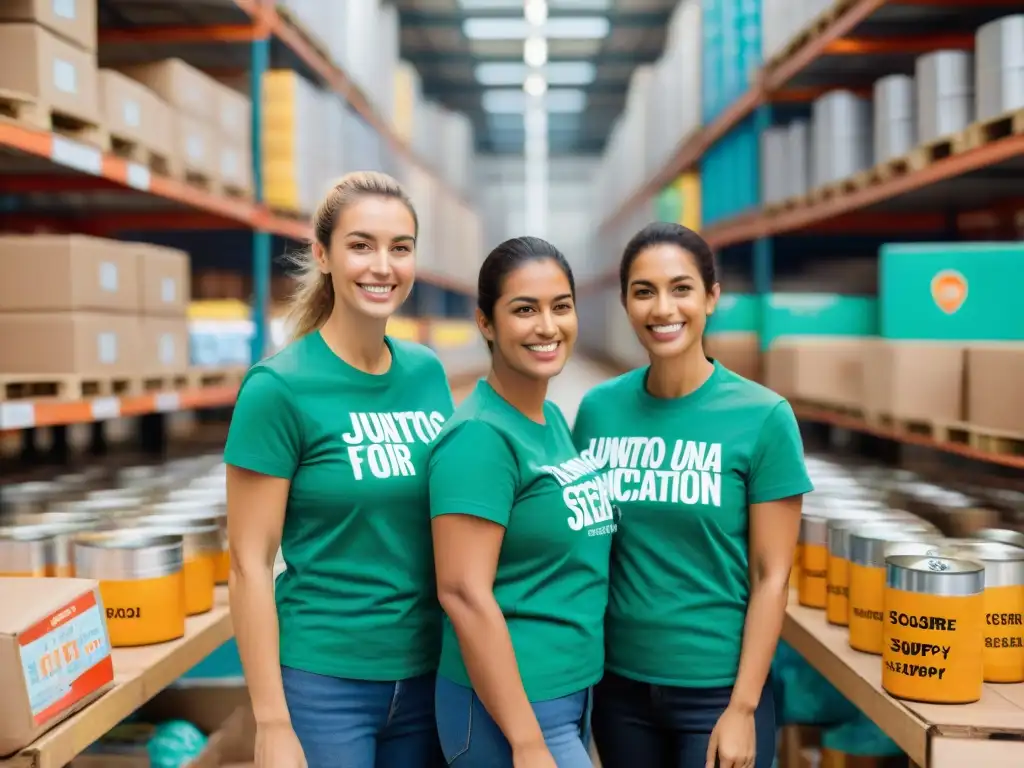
column 949, row 290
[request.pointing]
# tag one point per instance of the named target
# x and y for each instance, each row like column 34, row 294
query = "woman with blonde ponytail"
column 327, row 457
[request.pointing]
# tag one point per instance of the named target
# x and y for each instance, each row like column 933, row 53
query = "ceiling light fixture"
column 535, row 84
column 535, row 51
column 536, row 12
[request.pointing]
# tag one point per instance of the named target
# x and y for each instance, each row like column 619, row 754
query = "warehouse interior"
column 857, row 166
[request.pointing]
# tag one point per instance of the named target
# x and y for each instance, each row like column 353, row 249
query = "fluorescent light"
column 570, row 72
column 497, row 73
column 514, row 100
column 559, row 28
column 490, row 5
column 535, row 84
column 536, row 12
column 535, row 51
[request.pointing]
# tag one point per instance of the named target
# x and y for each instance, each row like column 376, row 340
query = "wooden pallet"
column 235, row 192
column 165, row 382
column 814, row 29
column 134, row 152
column 849, row 411
column 22, row 109
column 66, row 387
column 959, row 433
column 986, row 131
column 215, row 377
column 833, row 189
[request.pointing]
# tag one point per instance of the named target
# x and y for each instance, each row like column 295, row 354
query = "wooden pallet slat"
column 24, row 109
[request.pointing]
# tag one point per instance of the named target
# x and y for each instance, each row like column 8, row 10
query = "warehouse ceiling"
column 469, row 54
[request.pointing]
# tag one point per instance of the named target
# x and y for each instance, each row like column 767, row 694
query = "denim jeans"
column 471, row 739
column 363, row 724
column 659, row 726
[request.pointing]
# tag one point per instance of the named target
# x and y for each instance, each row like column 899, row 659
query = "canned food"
column 142, row 583
column 201, row 509
column 933, row 629
column 201, row 550
column 867, row 576
column 1003, row 653
column 1002, row 535
column 64, row 526
column 27, row 551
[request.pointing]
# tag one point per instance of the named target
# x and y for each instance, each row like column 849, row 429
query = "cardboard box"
column 67, row 272
column 818, row 370
column 995, row 387
column 181, row 86
column 234, row 115
column 817, row 314
column 165, row 282
column 132, row 112
column 739, row 352
column 235, row 166
column 54, row 72
column 918, row 381
column 69, row 343
column 73, row 20
column 195, row 148
column 54, row 655
column 163, row 347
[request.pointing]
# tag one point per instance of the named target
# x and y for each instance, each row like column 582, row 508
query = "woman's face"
column 666, row 300
column 535, row 325
column 372, row 256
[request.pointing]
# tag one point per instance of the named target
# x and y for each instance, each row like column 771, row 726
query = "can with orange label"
column 837, row 605
column 27, row 551
column 205, row 507
column 141, row 580
column 201, row 548
column 1003, row 653
column 867, row 576
column 933, row 631
column 813, row 583
column 1001, row 535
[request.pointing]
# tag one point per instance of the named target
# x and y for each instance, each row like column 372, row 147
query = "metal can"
column 933, row 630
column 27, row 551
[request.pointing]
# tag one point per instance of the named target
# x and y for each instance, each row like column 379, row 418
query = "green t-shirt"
column 683, row 472
column 493, row 462
column 358, row 597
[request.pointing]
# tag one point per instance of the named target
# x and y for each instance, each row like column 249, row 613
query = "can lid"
column 943, row 576
column 1003, row 535
column 127, row 538
column 867, row 543
column 27, row 532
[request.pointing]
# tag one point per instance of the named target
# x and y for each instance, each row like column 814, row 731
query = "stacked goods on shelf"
column 662, row 110
column 730, row 53
column 152, row 538
column 730, row 174
column 86, row 316
column 210, row 131
column 732, row 335
column 408, row 93
column 140, row 123
column 999, row 67
column 951, row 93
column 48, row 67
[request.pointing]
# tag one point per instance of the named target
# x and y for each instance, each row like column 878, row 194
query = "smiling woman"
column 327, row 457
column 522, row 531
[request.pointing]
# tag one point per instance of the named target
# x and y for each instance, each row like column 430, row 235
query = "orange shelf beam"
column 752, row 226
column 225, row 33
column 857, row 425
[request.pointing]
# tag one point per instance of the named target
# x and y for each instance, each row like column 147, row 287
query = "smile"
column 543, row 347
column 666, row 328
column 382, row 290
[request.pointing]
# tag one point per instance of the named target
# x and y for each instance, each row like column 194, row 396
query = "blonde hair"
column 313, row 299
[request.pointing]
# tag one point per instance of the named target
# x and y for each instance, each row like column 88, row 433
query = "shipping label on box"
column 55, row 655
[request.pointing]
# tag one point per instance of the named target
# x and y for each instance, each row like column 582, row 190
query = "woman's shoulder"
column 415, row 357
column 612, row 390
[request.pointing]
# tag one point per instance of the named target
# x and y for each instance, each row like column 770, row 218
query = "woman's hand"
column 534, row 755
column 733, row 740
column 277, row 746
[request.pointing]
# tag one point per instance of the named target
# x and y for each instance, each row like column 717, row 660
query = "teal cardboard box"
column 952, row 291
column 817, row 314
column 736, row 313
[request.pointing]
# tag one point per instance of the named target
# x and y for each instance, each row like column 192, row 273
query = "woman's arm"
column 774, row 527
column 256, row 506
column 466, row 551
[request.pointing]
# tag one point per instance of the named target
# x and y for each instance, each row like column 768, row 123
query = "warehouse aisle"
column 575, row 381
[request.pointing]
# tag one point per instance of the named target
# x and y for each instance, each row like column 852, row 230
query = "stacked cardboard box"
column 86, row 307
column 210, row 133
column 48, row 58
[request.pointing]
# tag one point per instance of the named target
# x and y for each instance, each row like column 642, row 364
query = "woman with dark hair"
column 708, row 471
column 522, row 532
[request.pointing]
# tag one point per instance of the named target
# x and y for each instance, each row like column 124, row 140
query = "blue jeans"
column 471, row 739
column 363, row 724
column 659, row 726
